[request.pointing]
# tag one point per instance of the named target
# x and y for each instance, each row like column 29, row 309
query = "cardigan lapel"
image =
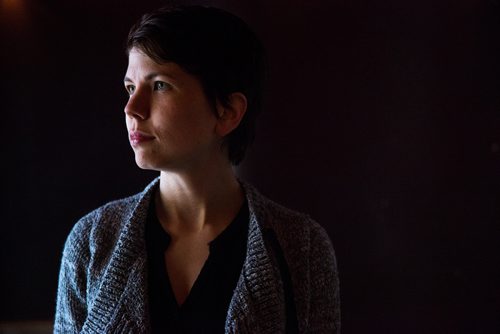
column 120, row 305
column 257, row 303
column 278, row 221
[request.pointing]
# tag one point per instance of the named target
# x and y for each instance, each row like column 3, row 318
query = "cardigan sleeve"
column 324, row 316
column 71, row 309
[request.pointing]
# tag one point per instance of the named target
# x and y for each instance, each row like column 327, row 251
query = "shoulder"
column 108, row 218
column 293, row 228
column 268, row 211
column 309, row 259
column 98, row 230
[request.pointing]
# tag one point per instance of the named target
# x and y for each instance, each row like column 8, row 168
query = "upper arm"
column 71, row 309
column 324, row 314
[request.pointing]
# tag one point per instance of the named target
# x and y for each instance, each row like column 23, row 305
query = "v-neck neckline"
column 212, row 289
column 224, row 240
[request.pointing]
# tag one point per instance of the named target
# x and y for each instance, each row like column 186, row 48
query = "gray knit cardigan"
column 102, row 282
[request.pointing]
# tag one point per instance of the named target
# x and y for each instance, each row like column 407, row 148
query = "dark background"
column 382, row 121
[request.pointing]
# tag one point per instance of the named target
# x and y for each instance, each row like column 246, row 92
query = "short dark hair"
column 215, row 46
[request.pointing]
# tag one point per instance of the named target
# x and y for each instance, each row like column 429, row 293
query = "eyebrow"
column 151, row 76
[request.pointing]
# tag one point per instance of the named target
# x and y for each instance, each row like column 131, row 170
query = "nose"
column 138, row 105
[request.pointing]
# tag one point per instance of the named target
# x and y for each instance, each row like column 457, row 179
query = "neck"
column 190, row 202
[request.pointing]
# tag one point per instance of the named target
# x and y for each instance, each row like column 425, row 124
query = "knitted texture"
column 102, row 282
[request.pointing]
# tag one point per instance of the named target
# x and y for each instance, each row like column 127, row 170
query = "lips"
column 138, row 137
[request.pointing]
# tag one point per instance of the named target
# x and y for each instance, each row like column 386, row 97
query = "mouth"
column 137, row 137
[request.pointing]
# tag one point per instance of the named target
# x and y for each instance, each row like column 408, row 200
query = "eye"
column 130, row 89
column 160, row 85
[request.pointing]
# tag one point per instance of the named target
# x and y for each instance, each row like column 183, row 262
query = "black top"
column 205, row 308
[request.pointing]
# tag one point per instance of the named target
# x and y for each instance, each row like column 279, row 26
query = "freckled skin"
column 169, row 104
column 199, row 195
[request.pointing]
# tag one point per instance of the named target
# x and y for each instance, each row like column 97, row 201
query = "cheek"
column 184, row 116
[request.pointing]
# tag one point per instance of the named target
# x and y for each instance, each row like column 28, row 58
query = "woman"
column 198, row 251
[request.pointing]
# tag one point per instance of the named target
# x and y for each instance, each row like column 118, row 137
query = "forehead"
column 141, row 65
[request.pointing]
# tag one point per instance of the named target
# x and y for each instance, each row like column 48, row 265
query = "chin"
column 144, row 163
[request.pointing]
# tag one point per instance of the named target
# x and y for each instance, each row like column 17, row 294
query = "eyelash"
column 156, row 86
column 157, row 83
column 130, row 89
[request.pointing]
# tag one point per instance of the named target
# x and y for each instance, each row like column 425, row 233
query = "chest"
column 192, row 278
column 184, row 259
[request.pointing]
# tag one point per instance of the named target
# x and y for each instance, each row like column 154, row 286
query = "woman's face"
column 171, row 123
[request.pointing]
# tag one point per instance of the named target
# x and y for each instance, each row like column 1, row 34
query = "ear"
column 230, row 115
